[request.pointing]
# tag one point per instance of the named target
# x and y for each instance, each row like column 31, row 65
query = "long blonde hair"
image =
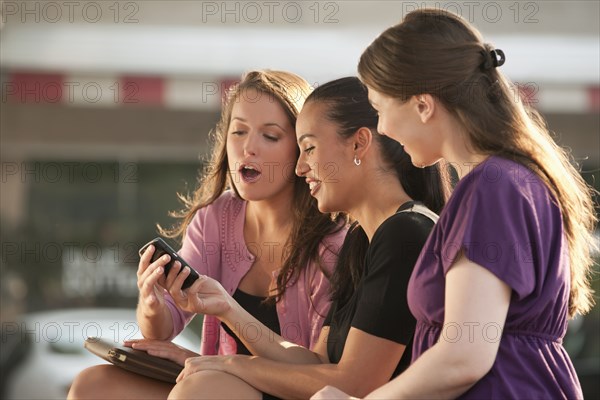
column 310, row 226
column 436, row 52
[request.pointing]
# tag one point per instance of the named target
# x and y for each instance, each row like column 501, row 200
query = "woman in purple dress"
column 508, row 262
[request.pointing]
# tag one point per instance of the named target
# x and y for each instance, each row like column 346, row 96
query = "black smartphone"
column 160, row 249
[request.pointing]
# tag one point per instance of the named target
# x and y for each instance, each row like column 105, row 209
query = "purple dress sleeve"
column 496, row 227
column 504, row 218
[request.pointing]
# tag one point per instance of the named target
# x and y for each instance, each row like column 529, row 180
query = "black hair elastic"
column 495, row 58
column 498, row 62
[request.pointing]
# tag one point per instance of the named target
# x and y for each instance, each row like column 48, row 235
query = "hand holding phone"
column 160, row 249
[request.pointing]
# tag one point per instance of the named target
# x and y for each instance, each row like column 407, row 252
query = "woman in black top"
column 367, row 338
column 378, row 305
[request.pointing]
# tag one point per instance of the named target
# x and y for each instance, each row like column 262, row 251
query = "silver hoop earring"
column 357, row 160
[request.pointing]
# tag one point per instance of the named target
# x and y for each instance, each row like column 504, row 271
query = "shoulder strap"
column 421, row 209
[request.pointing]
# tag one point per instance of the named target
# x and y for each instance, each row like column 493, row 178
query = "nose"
column 302, row 166
column 250, row 145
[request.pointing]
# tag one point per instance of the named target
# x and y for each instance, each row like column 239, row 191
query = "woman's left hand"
column 331, row 393
column 208, row 363
column 161, row 348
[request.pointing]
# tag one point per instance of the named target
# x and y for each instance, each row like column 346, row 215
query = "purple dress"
column 504, row 218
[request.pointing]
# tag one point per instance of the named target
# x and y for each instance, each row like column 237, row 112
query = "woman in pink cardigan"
column 264, row 240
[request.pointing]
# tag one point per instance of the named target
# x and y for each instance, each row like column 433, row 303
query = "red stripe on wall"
column 144, row 90
column 30, row 87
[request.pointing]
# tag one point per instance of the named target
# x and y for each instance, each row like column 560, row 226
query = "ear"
column 425, row 105
column 362, row 141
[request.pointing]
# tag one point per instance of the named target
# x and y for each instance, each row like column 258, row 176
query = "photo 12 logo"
column 67, row 331
column 69, row 172
column 252, row 12
column 69, row 11
column 51, row 88
column 492, row 12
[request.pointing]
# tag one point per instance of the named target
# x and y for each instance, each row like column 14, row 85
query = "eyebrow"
column 267, row 124
column 306, row 135
column 275, row 124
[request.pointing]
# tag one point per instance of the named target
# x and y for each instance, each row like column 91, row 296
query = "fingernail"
column 159, row 270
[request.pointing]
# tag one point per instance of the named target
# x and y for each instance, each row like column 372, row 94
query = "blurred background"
column 105, row 112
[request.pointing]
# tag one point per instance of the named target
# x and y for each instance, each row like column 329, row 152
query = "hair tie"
column 498, row 57
column 492, row 59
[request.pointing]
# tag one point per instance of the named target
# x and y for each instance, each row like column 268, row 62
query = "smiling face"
column 402, row 121
column 326, row 160
column 261, row 147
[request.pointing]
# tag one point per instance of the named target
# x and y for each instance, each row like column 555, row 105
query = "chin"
column 322, row 205
column 327, row 206
column 323, row 209
column 422, row 162
column 249, row 193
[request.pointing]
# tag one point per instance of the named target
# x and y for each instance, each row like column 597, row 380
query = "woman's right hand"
column 205, row 296
column 151, row 282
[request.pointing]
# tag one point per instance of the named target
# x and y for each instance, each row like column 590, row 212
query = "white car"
column 52, row 343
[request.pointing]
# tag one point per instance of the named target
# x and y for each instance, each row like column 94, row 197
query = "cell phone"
column 160, row 249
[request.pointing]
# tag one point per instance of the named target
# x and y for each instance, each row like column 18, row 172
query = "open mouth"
column 314, row 187
column 250, row 173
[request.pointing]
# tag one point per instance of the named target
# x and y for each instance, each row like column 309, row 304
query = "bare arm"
column 207, row 296
column 474, row 297
column 269, row 344
column 368, row 362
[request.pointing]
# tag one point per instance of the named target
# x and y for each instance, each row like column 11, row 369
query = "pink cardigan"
column 214, row 246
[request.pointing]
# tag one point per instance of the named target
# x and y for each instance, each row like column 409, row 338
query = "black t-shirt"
column 264, row 312
column 379, row 306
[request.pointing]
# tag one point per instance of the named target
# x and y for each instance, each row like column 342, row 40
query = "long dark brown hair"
column 347, row 106
column 310, row 226
column 436, row 52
